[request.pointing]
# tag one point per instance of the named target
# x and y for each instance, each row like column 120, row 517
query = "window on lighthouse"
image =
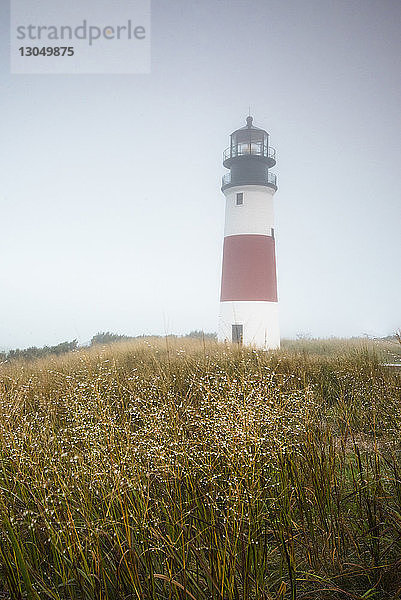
column 240, row 199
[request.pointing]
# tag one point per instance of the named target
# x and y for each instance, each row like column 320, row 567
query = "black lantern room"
column 249, row 158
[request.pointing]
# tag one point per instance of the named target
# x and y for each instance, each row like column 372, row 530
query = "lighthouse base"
column 250, row 323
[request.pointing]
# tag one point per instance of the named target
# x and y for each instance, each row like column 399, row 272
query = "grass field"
column 178, row 469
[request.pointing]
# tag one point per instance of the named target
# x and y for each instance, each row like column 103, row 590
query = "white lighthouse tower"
column 248, row 302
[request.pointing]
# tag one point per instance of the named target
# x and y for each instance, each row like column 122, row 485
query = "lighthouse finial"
column 249, row 121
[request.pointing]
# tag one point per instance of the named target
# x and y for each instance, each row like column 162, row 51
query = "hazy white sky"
column 111, row 210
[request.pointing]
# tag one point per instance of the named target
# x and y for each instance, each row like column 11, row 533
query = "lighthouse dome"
column 250, row 135
column 249, row 141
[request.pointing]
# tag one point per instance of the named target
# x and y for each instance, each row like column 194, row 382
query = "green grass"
column 185, row 469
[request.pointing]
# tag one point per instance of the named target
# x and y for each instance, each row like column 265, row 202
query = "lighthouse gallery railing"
column 254, row 148
column 271, row 178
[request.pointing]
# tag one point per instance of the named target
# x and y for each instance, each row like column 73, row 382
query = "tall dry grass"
column 181, row 469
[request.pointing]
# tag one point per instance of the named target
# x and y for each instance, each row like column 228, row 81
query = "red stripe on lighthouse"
column 249, row 268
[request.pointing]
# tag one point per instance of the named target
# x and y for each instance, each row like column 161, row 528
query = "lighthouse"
column 248, row 301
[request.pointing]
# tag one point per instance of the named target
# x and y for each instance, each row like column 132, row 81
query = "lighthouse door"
column 237, row 333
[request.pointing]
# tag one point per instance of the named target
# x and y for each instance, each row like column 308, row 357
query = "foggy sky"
column 111, row 211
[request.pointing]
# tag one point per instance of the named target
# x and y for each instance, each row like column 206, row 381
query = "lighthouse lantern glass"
column 249, row 141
